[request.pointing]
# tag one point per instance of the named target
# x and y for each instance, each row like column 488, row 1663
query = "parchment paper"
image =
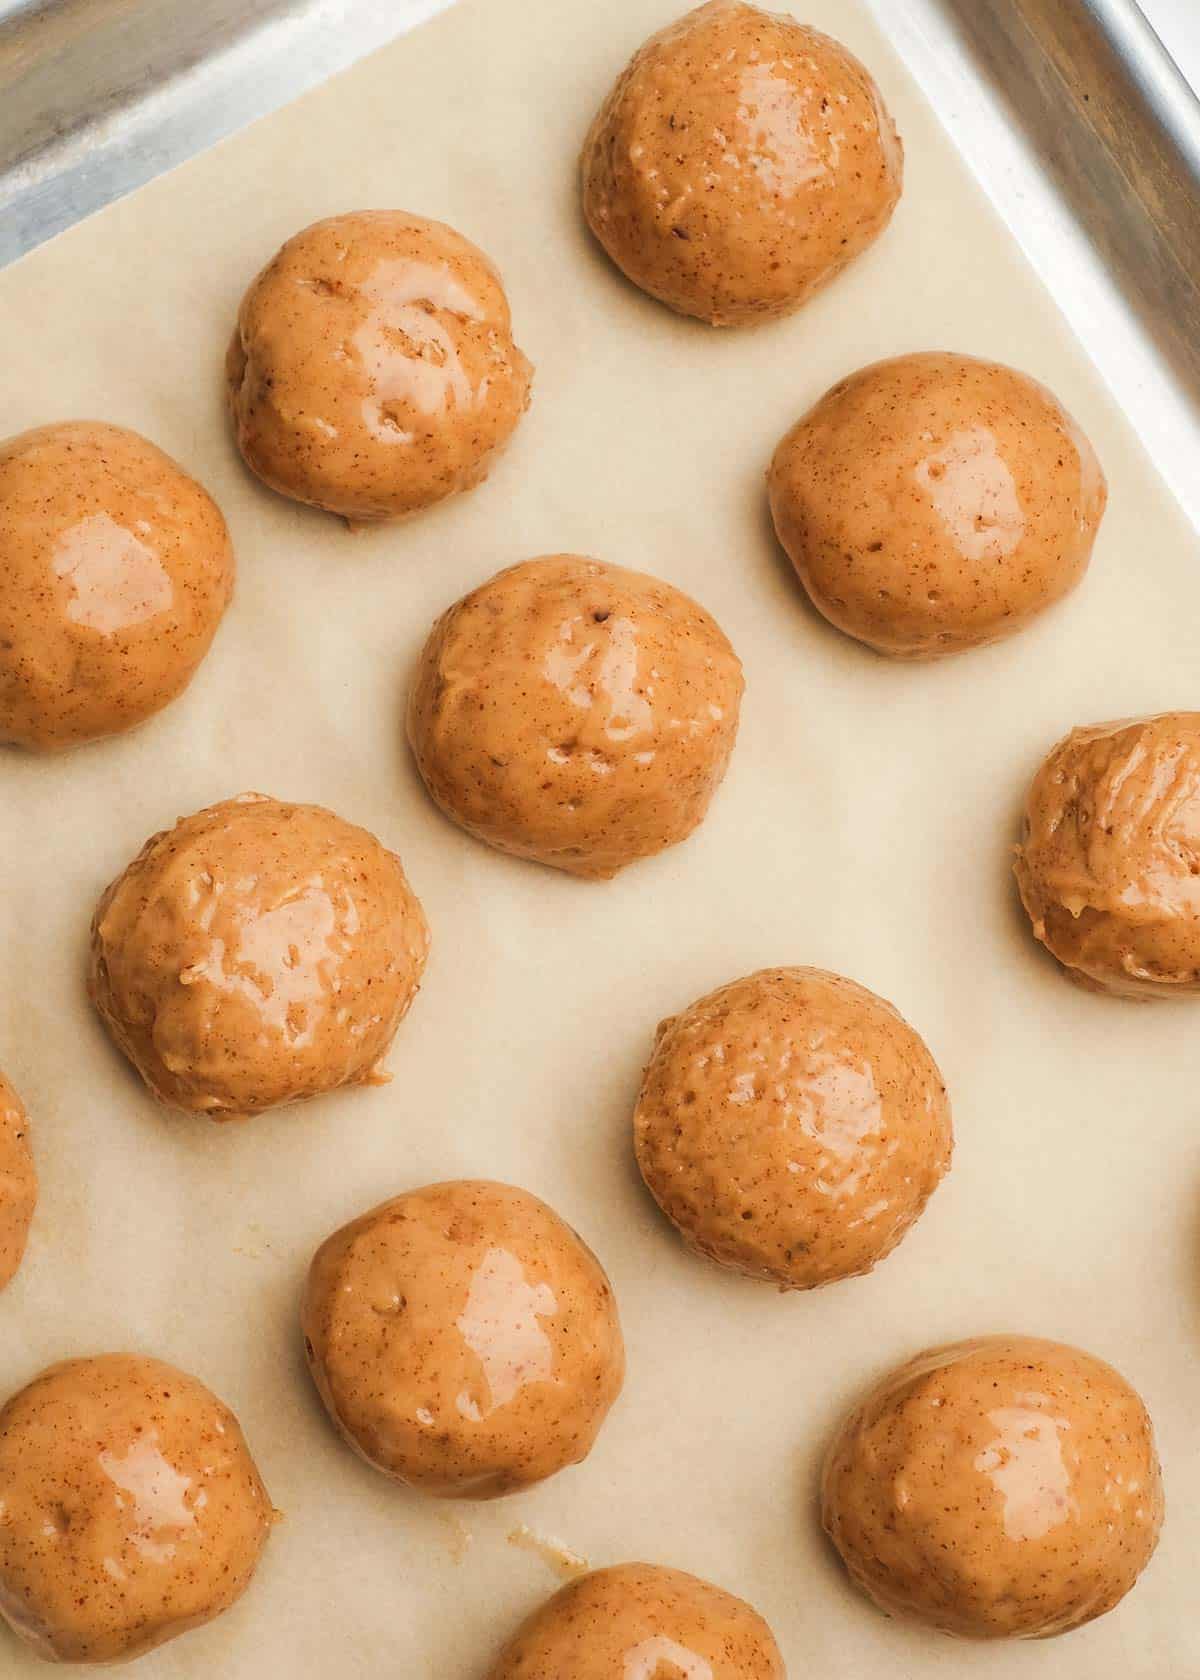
column 865, row 825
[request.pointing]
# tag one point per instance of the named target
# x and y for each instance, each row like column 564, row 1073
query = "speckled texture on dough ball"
column 257, row 953
column 641, row 1622
column 1109, row 861
column 741, row 161
column 575, row 713
column 996, row 1489
column 18, row 1182
column 115, row 570
column 792, row 1125
column 933, row 503
column 132, row 1510
column 373, row 371
column 464, row 1339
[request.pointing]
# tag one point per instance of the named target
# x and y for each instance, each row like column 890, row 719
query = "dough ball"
column 372, row 371
column 792, row 1125
column 132, row 1509
column 1109, row 861
column 464, row 1340
column 996, row 1489
column 115, row 569
column 741, row 161
column 18, row 1182
column 255, row 954
column 575, row 713
column 933, row 503
column 639, row 1622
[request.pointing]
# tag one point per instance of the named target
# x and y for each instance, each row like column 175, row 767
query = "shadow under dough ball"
column 115, row 570
column 1108, row 866
column 934, row 502
column 464, row 1339
column 575, row 713
column 640, row 1621
column 132, row 1511
column 741, row 161
column 18, row 1182
column 792, row 1126
column 255, row 954
column 1006, row 1488
column 372, row 371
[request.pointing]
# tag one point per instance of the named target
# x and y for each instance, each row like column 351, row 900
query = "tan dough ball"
column 934, row 503
column 741, row 161
column 1109, row 861
column 792, row 1126
column 372, row 371
column 1006, row 1488
column 132, row 1510
column 639, row 1622
column 575, row 713
column 18, row 1182
column 255, row 954
column 115, row 570
column 464, row 1339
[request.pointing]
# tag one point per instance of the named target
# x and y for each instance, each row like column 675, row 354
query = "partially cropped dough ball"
column 640, row 1622
column 464, row 1339
column 996, row 1489
column 373, row 371
column 933, row 503
column 792, row 1126
column 18, row 1182
column 115, row 570
column 740, row 162
column 1109, row 861
column 257, row 953
column 131, row 1509
column 575, row 713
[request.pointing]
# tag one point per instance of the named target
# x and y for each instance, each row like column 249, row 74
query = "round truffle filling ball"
column 996, row 1489
column 18, row 1182
column 1109, row 861
column 934, row 503
column 372, row 371
column 741, row 161
column 132, row 1509
column 792, row 1126
column 637, row 1620
column 115, row 570
column 257, row 953
column 464, row 1339
column 575, row 713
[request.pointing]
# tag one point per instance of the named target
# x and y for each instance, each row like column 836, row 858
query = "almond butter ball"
column 792, row 1126
column 464, row 1339
column 373, row 371
column 255, row 954
column 741, row 161
column 132, row 1510
column 575, row 713
column 640, row 1622
column 18, row 1182
column 933, row 503
column 115, row 570
column 1006, row 1488
column 1109, row 861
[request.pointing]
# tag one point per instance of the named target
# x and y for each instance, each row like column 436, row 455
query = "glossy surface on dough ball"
column 115, row 570
column 1109, row 861
column 792, row 1125
column 373, row 371
column 575, row 713
column 996, row 1489
column 255, row 954
column 741, row 161
column 464, row 1339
